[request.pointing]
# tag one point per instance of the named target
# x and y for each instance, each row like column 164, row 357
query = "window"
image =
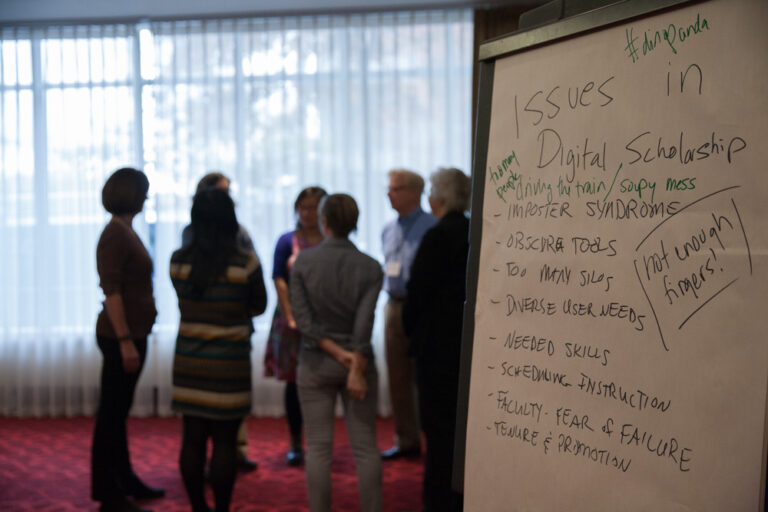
column 275, row 103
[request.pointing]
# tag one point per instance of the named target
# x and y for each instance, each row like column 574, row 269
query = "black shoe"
column 245, row 465
column 396, row 453
column 295, row 457
column 121, row 505
column 141, row 491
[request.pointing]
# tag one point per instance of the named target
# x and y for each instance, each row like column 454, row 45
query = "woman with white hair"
column 432, row 317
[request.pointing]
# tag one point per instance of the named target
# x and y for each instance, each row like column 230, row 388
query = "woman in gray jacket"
column 334, row 288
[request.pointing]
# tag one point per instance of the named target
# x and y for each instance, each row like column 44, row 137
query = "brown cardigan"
column 124, row 267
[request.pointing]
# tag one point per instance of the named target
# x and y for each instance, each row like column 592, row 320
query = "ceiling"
column 40, row 11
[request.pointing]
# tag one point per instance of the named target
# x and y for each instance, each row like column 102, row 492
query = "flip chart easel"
column 614, row 353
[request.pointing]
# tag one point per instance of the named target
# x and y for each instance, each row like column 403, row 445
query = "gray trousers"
column 321, row 379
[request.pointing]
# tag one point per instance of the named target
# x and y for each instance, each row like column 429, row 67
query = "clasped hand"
column 355, row 362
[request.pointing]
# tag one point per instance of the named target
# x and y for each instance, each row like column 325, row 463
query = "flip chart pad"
column 619, row 357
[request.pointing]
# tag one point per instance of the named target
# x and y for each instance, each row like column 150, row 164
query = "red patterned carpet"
column 44, row 467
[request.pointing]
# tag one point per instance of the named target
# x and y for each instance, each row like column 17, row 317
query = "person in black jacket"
column 432, row 317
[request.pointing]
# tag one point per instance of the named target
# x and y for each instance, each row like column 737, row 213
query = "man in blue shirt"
column 400, row 239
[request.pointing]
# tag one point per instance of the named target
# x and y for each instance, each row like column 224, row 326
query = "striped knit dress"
column 212, row 362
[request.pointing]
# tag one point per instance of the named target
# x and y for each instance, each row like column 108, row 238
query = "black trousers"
column 111, row 474
column 194, row 442
column 293, row 414
column 438, row 392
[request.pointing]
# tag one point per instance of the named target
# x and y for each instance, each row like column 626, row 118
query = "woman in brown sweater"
column 125, row 276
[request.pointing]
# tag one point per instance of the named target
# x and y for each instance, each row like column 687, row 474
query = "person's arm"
column 303, row 312
column 364, row 314
column 110, row 259
column 343, row 356
column 244, row 241
column 354, row 361
column 426, row 274
column 284, row 301
column 257, row 297
column 356, row 383
column 186, row 235
column 116, row 314
column 283, row 250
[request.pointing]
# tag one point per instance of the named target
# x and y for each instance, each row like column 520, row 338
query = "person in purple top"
column 281, row 356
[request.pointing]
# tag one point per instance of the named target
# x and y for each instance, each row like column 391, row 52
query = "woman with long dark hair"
column 220, row 288
column 216, row 179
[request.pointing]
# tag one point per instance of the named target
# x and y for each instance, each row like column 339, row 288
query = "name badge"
column 394, row 268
